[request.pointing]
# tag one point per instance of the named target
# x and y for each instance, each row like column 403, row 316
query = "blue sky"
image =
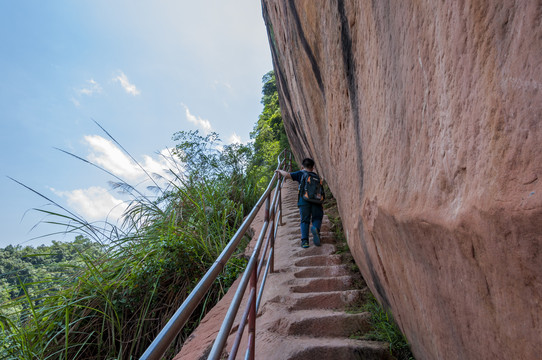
column 142, row 69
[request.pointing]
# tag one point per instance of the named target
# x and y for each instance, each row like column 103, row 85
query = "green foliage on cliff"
column 108, row 293
column 111, row 303
column 268, row 134
column 385, row 329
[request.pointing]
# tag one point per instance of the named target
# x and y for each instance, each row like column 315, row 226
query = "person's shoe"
column 304, row 244
column 316, row 235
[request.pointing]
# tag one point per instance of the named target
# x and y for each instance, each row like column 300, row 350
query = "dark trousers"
column 308, row 212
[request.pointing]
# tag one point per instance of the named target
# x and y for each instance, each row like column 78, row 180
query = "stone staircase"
column 304, row 312
column 305, row 306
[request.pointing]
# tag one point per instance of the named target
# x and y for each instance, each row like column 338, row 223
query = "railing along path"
column 273, row 216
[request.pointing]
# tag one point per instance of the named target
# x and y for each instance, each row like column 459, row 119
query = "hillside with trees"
column 108, row 293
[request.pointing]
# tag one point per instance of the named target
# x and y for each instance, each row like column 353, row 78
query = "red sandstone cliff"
column 425, row 117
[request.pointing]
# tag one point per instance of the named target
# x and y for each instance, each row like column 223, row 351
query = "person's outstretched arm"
column 286, row 174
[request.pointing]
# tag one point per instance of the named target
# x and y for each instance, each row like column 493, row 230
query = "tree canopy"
column 268, row 133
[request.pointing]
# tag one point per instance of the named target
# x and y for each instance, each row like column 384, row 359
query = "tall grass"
column 121, row 297
column 385, row 329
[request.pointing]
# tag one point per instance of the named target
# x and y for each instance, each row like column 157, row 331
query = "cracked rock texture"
column 425, row 118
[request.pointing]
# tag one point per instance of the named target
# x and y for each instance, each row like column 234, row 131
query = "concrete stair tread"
column 321, row 271
column 326, row 300
column 324, row 249
column 323, row 313
column 324, row 284
column 310, row 348
column 319, row 323
column 318, row 260
column 329, row 293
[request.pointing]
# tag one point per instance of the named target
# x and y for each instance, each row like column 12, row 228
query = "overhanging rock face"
column 425, row 118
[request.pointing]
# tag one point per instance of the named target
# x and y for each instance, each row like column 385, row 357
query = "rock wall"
column 425, row 118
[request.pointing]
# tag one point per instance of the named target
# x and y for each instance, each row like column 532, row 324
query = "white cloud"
column 75, row 102
column 94, row 203
column 226, row 85
column 90, row 89
column 202, row 124
column 106, row 154
column 97, row 203
column 126, row 85
column 161, row 166
column 234, row 139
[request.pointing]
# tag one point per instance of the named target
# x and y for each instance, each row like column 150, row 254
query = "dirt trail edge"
column 303, row 310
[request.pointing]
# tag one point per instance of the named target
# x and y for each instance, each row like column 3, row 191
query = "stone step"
column 319, row 260
column 322, row 272
column 323, row 323
column 326, row 300
column 339, row 349
column 310, row 285
column 325, row 249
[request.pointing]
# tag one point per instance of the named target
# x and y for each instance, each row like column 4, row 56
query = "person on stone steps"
column 307, row 209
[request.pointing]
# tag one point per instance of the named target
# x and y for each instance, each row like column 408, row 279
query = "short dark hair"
column 308, row 163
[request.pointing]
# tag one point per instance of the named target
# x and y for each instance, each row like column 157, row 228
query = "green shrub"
column 110, row 301
column 385, row 329
column 113, row 302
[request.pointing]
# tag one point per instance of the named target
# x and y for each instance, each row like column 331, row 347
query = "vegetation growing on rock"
column 108, row 293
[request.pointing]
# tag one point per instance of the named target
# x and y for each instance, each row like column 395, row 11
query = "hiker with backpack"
column 310, row 198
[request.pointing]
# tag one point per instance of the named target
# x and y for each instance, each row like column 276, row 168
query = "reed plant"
column 114, row 301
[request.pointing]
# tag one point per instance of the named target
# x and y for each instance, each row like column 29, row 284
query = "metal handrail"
column 174, row 326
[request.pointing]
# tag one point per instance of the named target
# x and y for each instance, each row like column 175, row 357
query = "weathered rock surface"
column 425, row 117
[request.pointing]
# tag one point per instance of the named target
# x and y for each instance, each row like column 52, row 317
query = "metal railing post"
column 252, row 316
column 253, row 287
column 290, row 162
column 272, row 234
column 267, row 203
column 280, row 205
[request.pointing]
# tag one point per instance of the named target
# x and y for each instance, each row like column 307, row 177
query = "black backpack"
column 311, row 188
